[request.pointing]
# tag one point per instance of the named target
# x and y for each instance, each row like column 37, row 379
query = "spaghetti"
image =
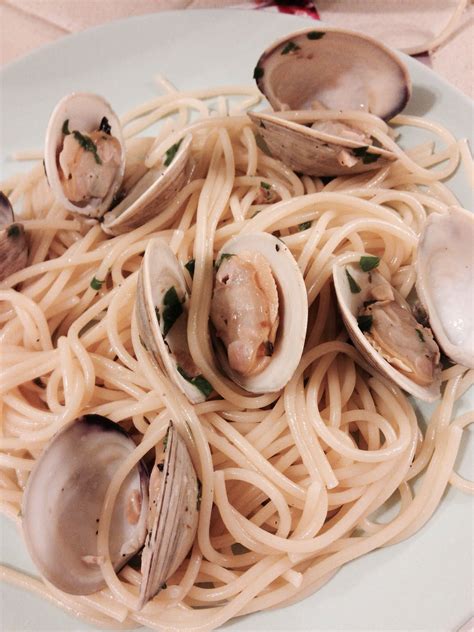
column 291, row 481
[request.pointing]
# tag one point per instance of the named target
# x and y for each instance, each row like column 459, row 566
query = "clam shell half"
column 445, row 281
column 13, row 242
column 350, row 304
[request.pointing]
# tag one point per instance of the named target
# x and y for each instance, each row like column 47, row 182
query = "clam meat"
column 259, row 312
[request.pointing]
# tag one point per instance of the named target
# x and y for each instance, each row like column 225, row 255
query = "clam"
column 172, row 517
column 13, row 243
column 328, row 69
column 85, row 166
column 162, row 312
column 63, row 501
column 259, row 312
column 383, row 328
column 64, row 498
column 445, row 281
column 84, row 154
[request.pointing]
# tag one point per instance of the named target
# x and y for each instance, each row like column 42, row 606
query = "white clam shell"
column 310, row 151
column 64, row 498
column 350, row 305
column 151, row 194
column 173, row 517
column 340, row 69
column 160, row 270
column 293, row 313
column 84, row 112
column 445, row 281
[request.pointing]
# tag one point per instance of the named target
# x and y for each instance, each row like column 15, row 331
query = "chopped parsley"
column 269, row 347
column 199, row 382
column 222, row 258
column 14, row 230
column 365, row 322
column 87, row 144
column 265, row 185
column 65, row 128
column 39, row 382
column 291, row 47
column 105, row 126
column 258, row 72
column 199, row 495
column 173, row 308
column 171, row 153
column 368, row 262
column 355, row 288
column 420, row 335
column 190, row 267
column 367, row 157
column 304, row 226
column 315, row 35
column 165, row 438
column 96, row 284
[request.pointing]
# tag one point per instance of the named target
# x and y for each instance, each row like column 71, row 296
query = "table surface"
column 28, row 24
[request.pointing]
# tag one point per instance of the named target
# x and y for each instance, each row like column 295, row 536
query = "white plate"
column 424, row 583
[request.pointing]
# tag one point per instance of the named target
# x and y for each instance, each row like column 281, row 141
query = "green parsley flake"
column 87, row 144
column 365, row 322
column 96, row 284
column 199, row 382
column 355, row 288
column 265, row 185
column 199, row 495
column 315, row 35
column 171, row 153
column 304, row 226
column 65, row 128
column 173, row 308
column 190, row 267
column 367, row 157
column 291, row 47
column 224, row 256
column 368, row 262
column 420, row 335
column 105, row 126
column 14, row 230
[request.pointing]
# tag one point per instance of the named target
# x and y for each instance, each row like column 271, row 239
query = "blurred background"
column 411, row 25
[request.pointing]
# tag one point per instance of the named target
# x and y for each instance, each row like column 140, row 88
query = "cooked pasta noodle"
column 291, row 480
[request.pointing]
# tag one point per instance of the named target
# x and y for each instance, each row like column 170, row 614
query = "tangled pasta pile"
column 290, row 480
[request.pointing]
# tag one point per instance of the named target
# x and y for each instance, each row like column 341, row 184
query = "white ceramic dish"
column 423, row 584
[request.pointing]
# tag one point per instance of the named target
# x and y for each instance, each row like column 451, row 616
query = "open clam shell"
column 162, row 313
column 286, row 350
column 330, row 69
column 13, row 242
column 152, row 193
column 354, row 289
column 73, row 120
column 64, row 498
column 445, row 281
column 338, row 69
column 172, row 518
column 315, row 153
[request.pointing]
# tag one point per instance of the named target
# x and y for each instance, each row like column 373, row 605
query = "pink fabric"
column 28, row 24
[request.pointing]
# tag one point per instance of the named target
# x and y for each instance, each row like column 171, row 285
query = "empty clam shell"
column 13, row 242
column 172, row 518
column 84, row 154
column 63, row 501
column 162, row 314
column 335, row 68
column 393, row 342
column 445, row 281
column 259, row 280
column 152, row 193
